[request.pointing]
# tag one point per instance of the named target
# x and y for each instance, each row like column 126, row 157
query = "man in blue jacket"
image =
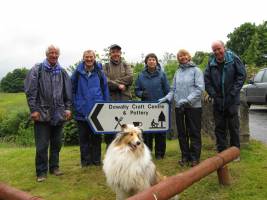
column 89, row 84
column 48, row 91
column 224, row 77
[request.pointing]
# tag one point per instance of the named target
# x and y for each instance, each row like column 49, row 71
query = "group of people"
column 52, row 97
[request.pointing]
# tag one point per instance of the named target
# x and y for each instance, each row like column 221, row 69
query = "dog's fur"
column 128, row 164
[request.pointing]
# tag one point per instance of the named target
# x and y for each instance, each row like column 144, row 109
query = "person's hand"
column 122, row 87
column 145, row 94
column 183, row 102
column 208, row 99
column 35, row 116
column 67, row 114
column 162, row 100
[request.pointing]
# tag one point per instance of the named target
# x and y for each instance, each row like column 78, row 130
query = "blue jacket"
column 155, row 85
column 86, row 89
column 188, row 83
column 224, row 84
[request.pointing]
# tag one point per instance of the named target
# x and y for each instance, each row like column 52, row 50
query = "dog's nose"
column 138, row 143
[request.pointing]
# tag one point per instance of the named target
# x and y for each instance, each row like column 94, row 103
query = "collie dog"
column 128, row 165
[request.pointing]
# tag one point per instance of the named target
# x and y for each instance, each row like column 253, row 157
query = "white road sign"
column 107, row 117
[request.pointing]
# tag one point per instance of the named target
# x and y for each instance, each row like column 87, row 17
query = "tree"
column 201, row 59
column 262, row 35
column 14, row 81
column 250, row 43
column 240, row 39
column 252, row 54
column 167, row 57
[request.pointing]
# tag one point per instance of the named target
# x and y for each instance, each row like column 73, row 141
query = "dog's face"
column 130, row 136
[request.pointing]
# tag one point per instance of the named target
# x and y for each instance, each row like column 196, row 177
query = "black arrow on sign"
column 94, row 117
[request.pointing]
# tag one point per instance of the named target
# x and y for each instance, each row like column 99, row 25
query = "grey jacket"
column 188, row 83
column 48, row 93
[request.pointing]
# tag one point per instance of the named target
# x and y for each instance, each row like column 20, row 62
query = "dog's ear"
column 119, row 136
column 123, row 127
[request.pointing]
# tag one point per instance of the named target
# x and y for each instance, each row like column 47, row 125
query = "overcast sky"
column 139, row 26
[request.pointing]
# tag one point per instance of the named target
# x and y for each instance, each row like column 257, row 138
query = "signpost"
column 107, row 117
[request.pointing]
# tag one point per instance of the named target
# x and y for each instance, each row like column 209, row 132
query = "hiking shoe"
column 158, row 157
column 183, row 162
column 97, row 163
column 237, row 159
column 194, row 163
column 41, row 178
column 57, row 172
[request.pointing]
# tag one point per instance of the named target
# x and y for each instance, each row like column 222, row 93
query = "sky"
column 28, row 27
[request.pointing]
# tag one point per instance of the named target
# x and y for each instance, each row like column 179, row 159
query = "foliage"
column 201, row 59
column 262, row 34
column 167, row 57
column 72, row 68
column 247, row 182
column 25, row 134
column 12, row 126
column 252, row 53
column 250, row 43
column 239, row 39
column 71, row 136
column 170, row 69
column 14, row 81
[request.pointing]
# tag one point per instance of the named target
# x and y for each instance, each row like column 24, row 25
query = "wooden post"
column 175, row 184
column 224, row 175
column 10, row 193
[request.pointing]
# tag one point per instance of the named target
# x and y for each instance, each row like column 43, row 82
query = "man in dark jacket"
column 48, row 91
column 224, row 77
column 89, row 85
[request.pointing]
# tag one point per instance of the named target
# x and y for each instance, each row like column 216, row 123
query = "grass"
column 12, row 101
column 248, row 176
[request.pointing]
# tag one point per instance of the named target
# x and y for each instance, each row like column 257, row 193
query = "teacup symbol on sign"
column 137, row 123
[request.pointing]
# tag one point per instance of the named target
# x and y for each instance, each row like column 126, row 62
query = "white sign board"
column 107, row 117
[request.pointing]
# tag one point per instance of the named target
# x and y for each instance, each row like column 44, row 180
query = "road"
column 258, row 123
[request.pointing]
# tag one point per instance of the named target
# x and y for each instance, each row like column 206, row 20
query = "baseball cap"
column 115, row 46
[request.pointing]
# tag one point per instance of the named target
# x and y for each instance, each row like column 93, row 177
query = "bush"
column 10, row 123
column 25, row 135
column 71, row 136
column 13, row 128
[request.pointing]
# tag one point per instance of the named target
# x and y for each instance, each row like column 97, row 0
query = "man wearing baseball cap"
column 120, row 79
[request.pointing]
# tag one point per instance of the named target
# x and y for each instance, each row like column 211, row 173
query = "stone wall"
column 208, row 120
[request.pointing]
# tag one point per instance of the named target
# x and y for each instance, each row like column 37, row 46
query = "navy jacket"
column 224, row 84
column 155, row 85
column 86, row 89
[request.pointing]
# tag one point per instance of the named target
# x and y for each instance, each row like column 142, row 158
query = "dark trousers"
column 46, row 135
column 108, row 138
column 188, row 122
column 160, row 143
column 90, row 145
column 223, row 119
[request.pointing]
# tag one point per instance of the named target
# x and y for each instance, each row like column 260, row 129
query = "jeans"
column 108, row 138
column 47, row 135
column 188, row 122
column 224, row 120
column 90, row 144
